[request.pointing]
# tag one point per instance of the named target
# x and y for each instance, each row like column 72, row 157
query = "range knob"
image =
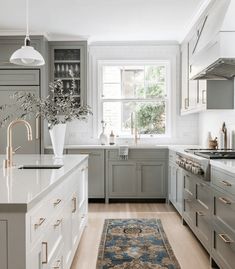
column 198, row 171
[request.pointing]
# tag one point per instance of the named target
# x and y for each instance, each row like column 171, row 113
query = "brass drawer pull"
column 58, row 222
column 57, row 202
column 57, row 265
column 74, row 204
column 41, row 220
column 224, row 200
column 201, row 214
column 45, row 261
column 226, row 183
column 225, row 238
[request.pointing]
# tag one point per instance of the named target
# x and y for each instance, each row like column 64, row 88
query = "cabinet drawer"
column 57, row 261
column 224, row 210
column 203, row 195
column 223, row 180
column 189, row 211
column 203, row 226
column 140, row 154
column 49, row 207
column 189, row 186
column 223, row 249
column 52, row 239
column 19, row 77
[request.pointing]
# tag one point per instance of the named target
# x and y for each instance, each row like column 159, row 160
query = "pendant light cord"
column 27, row 39
column 27, row 18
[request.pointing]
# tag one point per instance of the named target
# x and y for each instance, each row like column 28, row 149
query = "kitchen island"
column 43, row 211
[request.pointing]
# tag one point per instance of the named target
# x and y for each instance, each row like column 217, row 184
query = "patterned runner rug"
column 135, row 244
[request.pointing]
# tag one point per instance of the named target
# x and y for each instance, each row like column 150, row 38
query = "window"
column 135, row 96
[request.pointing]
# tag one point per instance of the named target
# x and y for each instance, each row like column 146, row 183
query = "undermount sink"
column 40, row 166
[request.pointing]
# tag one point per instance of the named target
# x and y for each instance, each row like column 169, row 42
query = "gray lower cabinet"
column 151, row 179
column 143, row 175
column 175, row 186
column 96, row 176
column 197, row 208
column 223, row 241
column 122, row 177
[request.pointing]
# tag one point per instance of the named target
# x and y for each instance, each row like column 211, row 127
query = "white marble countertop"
column 132, row 146
column 21, row 189
column 228, row 165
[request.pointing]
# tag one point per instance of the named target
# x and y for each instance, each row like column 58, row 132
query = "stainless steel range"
column 194, row 164
column 197, row 161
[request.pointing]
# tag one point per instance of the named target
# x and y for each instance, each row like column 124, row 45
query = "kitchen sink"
column 40, row 166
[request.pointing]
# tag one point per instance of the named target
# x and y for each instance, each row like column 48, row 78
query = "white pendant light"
column 27, row 55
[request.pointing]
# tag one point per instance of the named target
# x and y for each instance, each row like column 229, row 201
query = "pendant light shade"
column 27, row 55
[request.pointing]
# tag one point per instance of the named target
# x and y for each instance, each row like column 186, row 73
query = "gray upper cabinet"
column 96, row 176
column 19, row 132
column 19, row 77
column 70, row 55
column 143, row 175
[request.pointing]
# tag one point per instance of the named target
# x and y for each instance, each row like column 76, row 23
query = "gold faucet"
column 134, row 129
column 9, row 150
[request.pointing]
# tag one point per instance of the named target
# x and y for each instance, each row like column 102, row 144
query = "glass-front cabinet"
column 66, row 56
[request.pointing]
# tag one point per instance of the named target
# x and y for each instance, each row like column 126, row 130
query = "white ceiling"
column 102, row 20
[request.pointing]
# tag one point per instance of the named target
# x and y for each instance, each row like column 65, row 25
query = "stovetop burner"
column 213, row 154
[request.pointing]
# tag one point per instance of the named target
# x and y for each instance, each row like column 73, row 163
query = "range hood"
column 214, row 59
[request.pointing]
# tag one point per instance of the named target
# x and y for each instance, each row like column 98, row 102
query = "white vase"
column 103, row 137
column 57, row 134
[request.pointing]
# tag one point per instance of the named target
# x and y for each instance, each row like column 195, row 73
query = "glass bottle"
column 112, row 138
column 103, row 137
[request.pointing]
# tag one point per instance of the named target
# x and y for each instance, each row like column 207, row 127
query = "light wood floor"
column 187, row 249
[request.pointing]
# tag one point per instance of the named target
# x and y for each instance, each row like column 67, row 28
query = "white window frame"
column 168, row 98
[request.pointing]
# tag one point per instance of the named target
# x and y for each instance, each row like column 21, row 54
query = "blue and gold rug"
column 135, row 244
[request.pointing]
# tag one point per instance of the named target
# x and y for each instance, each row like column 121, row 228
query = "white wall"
column 184, row 129
column 211, row 121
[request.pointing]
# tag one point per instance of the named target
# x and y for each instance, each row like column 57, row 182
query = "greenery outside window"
column 139, row 90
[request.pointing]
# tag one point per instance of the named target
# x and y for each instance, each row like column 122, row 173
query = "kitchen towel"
column 123, row 152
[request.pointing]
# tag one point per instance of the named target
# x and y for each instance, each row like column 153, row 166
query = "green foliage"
column 150, row 118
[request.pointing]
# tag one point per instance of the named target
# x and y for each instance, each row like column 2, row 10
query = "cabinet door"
column 19, row 131
column 3, row 244
column 193, row 94
column 75, row 222
column 202, row 93
column 172, row 183
column 151, row 179
column 184, row 77
column 67, row 234
column 96, row 172
column 179, row 189
column 122, row 179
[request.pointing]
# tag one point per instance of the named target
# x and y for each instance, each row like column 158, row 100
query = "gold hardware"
column 41, row 220
column 225, row 238
column 225, row 201
column 58, row 222
column 58, row 265
column 226, row 183
column 74, row 200
column 88, row 153
column 46, row 247
column 37, row 132
column 9, row 150
column 203, row 97
column 201, row 214
column 57, row 202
